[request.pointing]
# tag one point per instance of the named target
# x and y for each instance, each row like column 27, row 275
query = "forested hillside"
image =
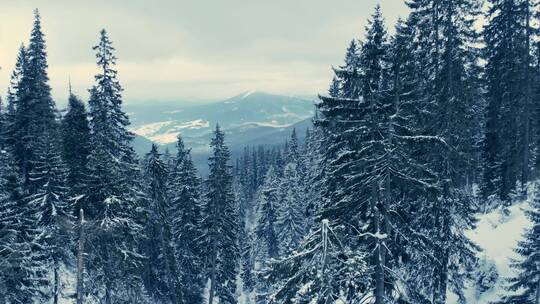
column 427, row 138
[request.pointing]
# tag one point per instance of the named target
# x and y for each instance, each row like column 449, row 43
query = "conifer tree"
column 290, row 221
column 160, row 272
column 449, row 62
column 322, row 270
column 76, row 144
column 267, row 208
column 17, row 265
column 34, row 106
column 184, row 188
column 15, row 90
column 247, row 258
column 221, row 224
column 50, row 211
column 348, row 75
column 506, row 144
column 110, row 201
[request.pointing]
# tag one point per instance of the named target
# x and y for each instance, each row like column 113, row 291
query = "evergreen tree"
column 17, row 265
column 160, row 272
column 348, row 75
column 267, row 205
column 290, row 221
column 508, row 94
column 323, row 270
column 76, row 144
column 50, row 211
column 247, row 259
column 110, row 201
column 34, row 105
column 185, row 211
column 15, row 90
column 221, row 224
column 446, row 29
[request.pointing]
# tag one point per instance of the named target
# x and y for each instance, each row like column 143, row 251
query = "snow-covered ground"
column 497, row 234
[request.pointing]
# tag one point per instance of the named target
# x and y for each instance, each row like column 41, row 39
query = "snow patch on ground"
column 497, row 233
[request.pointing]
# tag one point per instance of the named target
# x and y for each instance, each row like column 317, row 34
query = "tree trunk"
column 378, row 258
column 526, row 107
column 170, row 262
column 108, row 277
column 537, row 299
column 213, row 274
column 80, row 260
column 56, row 284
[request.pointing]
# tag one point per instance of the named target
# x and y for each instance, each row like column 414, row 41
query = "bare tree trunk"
column 526, row 108
column 80, row 260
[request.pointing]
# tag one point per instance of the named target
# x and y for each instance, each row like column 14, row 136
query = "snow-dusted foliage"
column 411, row 185
column 322, row 270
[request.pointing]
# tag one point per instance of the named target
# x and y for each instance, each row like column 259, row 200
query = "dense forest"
column 424, row 127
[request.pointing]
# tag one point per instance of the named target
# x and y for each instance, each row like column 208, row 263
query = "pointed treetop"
column 105, row 51
column 333, row 91
column 154, row 149
column 180, row 143
column 351, row 56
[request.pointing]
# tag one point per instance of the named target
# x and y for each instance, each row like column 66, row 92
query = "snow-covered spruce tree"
column 266, row 231
column 292, row 154
column 508, row 94
column 221, row 224
column 375, row 173
column 323, row 270
column 244, row 185
column 335, row 87
column 313, row 159
column 184, row 188
column 266, row 234
column 348, row 75
column 160, row 274
column 17, row 265
column 525, row 286
column 16, row 88
column 110, row 202
column 247, row 259
column 290, row 221
column 34, row 106
column 354, row 177
column 49, row 205
column 75, row 131
column 449, row 61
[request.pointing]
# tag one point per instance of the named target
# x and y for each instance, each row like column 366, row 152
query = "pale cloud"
column 192, row 49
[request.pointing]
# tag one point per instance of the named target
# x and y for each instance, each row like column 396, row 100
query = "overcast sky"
column 193, row 50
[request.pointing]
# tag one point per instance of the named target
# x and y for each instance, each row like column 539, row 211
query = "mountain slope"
column 248, row 119
column 250, row 110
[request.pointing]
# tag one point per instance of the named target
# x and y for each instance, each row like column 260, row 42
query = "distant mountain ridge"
column 250, row 118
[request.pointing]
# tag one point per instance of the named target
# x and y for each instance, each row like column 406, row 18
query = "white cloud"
column 192, row 50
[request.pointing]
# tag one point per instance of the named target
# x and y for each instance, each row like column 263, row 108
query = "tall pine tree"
column 221, row 224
